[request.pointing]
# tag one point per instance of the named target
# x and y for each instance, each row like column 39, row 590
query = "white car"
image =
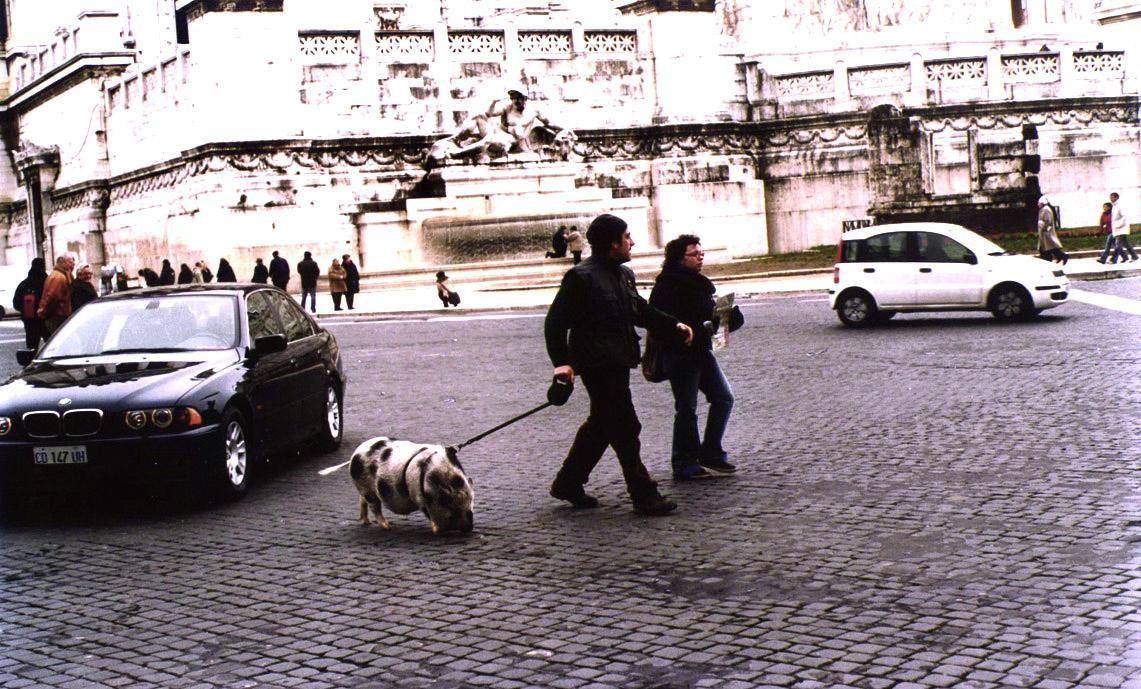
column 888, row 269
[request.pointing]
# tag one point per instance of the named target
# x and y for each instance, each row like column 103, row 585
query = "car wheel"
column 233, row 458
column 856, row 309
column 333, row 426
column 1010, row 303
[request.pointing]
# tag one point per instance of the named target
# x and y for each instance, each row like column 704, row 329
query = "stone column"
column 1069, row 86
column 38, row 168
column 995, row 83
column 441, row 71
column 843, row 94
column 917, row 96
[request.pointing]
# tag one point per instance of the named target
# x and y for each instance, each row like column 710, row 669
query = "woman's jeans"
column 688, row 376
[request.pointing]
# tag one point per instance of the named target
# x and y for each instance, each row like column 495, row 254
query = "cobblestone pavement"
column 942, row 502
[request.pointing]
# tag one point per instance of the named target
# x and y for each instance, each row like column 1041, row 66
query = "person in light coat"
column 337, row 286
column 1121, row 228
column 1049, row 246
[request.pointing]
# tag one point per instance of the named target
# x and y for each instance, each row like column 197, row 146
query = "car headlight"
column 136, row 420
column 5, row 425
column 163, row 418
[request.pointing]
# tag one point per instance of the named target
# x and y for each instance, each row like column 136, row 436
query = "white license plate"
column 64, row 454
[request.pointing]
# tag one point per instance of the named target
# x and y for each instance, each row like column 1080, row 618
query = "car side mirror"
column 971, row 260
column 270, row 344
column 25, row 356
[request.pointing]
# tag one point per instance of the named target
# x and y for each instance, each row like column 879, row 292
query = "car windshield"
column 171, row 323
column 989, row 248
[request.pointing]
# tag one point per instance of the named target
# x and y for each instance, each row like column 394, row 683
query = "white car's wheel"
column 1011, row 303
column 856, row 309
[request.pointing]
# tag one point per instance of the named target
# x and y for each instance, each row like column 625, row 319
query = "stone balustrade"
column 153, row 85
column 941, row 81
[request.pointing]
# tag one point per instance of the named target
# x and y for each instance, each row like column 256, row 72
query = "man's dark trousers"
column 612, row 421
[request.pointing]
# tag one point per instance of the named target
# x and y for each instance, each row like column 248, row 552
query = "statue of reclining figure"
column 507, row 130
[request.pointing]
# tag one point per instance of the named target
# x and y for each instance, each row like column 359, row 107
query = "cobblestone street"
column 944, row 501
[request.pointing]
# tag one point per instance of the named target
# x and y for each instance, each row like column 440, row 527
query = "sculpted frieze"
column 1017, row 119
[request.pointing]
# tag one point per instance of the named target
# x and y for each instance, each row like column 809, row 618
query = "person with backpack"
column 27, row 301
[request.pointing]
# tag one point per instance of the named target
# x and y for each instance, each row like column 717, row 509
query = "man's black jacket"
column 688, row 295
column 279, row 270
column 599, row 305
column 308, row 270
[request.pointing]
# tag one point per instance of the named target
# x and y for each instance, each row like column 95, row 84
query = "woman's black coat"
column 688, row 296
column 185, row 277
column 166, row 275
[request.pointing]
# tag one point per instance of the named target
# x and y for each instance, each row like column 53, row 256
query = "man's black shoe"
column 579, row 498
column 655, row 507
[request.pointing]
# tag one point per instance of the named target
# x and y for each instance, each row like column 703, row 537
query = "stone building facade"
column 135, row 131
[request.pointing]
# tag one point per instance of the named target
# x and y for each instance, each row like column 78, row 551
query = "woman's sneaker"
column 692, row 472
column 721, row 467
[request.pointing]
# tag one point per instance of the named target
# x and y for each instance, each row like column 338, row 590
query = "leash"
column 557, row 396
column 503, row 425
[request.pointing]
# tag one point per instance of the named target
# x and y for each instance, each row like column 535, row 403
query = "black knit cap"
column 604, row 231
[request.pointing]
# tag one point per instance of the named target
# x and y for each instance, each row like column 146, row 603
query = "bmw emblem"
column 65, row 401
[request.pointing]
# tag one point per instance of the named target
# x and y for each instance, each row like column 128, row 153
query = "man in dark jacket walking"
column 598, row 305
column 352, row 279
column 279, row 271
column 261, row 273
column 308, row 270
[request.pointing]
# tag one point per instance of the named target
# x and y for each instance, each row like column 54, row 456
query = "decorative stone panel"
column 879, row 79
column 806, row 86
column 611, row 41
column 483, row 44
column 1034, row 67
column 326, row 47
column 957, row 72
column 545, row 43
column 1100, row 64
column 405, row 46
column 388, row 16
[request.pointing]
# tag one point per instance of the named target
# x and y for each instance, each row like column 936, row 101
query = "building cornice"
column 62, row 77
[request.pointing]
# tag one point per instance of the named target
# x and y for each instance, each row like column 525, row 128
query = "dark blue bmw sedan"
column 193, row 382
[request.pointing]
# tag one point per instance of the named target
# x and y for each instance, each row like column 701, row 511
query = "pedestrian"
column 1049, row 246
column 308, row 271
column 444, row 291
column 196, row 273
column 225, row 272
column 1106, row 225
column 26, row 302
column 166, row 274
column 681, row 290
column 337, row 283
column 558, row 243
column 185, row 275
column 207, row 274
column 352, row 279
column 261, row 273
column 576, row 244
column 149, row 277
column 1121, row 227
column 597, row 306
column 82, row 289
column 279, row 271
column 55, row 303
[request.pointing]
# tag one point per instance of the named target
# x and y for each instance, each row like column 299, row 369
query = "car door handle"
column 924, row 270
column 869, row 270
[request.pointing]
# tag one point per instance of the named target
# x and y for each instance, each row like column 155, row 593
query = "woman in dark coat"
column 683, row 291
column 261, row 273
column 33, row 288
column 166, row 276
column 150, row 278
column 185, row 277
column 225, row 272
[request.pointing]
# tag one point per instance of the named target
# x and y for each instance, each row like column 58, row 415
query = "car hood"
column 1024, row 263
column 120, row 381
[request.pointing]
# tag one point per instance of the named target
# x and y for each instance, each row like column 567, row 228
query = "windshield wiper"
column 141, row 350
